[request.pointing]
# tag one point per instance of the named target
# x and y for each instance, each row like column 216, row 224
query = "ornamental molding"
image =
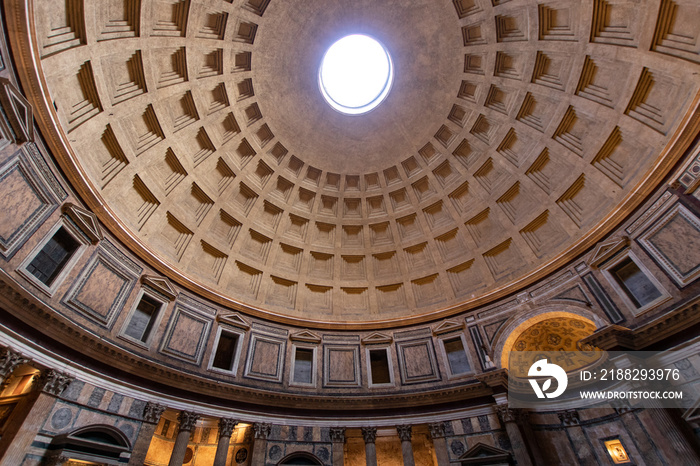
column 152, row 412
column 9, row 360
column 369, row 434
column 188, row 420
column 52, row 382
column 404, row 433
column 262, row 430
column 337, row 434
column 160, row 284
column 226, row 427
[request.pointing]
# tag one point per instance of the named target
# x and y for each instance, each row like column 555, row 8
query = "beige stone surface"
column 511, row 132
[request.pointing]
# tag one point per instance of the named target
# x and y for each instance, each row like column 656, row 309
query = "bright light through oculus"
column 356, row 74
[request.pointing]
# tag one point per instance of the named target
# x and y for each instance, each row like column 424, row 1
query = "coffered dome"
column 515, row 136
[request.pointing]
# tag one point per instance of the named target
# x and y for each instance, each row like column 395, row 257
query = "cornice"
column 193, row 386
column 671, row 323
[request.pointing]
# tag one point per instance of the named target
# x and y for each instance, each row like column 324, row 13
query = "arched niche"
column 99, row 443
column 300, row 459
column 518, row 325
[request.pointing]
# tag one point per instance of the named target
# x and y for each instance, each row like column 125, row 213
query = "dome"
column 205, row 261
column 504, row 149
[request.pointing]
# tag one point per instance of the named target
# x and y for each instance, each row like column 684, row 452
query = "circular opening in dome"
column 356, row 74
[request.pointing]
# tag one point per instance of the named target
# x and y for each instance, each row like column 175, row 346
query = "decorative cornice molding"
column 667, row 325
column 55, row 325
column 607, row 249
column 494, row 379
column 448, row 326
column 377, row 338
column 160, row 284
column 305, row 336
column 85, row 220
column 19, row 111
column 233, row 319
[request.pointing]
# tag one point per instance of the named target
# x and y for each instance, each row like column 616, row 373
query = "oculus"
column 356, row 74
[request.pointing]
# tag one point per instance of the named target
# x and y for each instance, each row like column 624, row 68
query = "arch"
column 300, row 458
column 102, row 433
column 516, row 325
column 99, row 443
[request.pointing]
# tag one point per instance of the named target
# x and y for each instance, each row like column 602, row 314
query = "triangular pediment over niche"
column 306, row 336
column 448, row 326
column 607, row 249
column 377, row 338
column 161, row 284
column 20, row 114
column 485, row 454
column 233, row 319
column 85, row 220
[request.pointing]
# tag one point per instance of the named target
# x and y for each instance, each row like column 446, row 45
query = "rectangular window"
column 225, row 351
column 636, row 285
column 55, row 254
column 456, row 356
column 143, row 318
column 303, row 365
column 379, row 366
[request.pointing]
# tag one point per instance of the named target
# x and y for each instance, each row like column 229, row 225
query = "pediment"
column 20, row 114
column 233, row 319
column 481, row 451
column 377, row 338
column 305, row 336
column 607, row 249
column 86, row 221
column 448, row 326
column 161, row 284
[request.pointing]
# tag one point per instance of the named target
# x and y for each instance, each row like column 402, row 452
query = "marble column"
column 437, row 434
column 509, row 418
column 188, row 421
column 261, row 432
column 579, row 443
column 370, row 435
column 30, row 414
column 669, row 436
column 226, row 427
column 151, row 416
column 406, row 446
column 337, row 435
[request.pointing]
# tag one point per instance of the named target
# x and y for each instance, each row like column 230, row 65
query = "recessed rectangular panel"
column 265, row 358
column 674, row 243
column 102, row 287
column 26, row 204
column 341, row 366
column 417, row 362
column 186, row 335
